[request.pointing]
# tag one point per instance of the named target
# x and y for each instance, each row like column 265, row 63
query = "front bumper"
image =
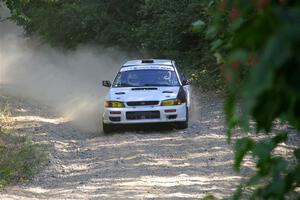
column 176, row 113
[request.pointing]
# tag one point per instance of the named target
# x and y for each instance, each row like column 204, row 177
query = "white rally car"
column 147, row 91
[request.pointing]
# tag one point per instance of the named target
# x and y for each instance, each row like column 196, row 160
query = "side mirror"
column 186, row 82
column 106, row 83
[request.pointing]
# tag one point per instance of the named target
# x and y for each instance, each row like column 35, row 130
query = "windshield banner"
column 157, row 67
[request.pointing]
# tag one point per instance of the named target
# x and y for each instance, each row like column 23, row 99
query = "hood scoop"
column 167, row 92
column 144, row 89
column 119, row 93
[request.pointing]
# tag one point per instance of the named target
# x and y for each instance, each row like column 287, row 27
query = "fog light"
column 115, row 112
column 170, row 110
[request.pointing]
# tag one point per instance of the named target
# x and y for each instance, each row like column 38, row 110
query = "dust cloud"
column 69, row 82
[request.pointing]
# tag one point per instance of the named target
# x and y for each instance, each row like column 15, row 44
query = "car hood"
column 142, row 93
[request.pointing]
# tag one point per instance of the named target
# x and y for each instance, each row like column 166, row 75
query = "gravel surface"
column 144, row 164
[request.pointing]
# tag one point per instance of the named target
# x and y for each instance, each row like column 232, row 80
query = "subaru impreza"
column 147, row 91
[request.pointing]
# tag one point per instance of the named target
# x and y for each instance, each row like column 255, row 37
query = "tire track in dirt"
column 152, row 164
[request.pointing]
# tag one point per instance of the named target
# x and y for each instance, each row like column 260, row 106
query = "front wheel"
column 107, row 128
column 182, row 125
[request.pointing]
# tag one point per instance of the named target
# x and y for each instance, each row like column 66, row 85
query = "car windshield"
column 149, row 77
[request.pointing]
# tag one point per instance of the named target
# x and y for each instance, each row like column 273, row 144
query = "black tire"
column 182, row 125
column 107, row 128
column 185, row 124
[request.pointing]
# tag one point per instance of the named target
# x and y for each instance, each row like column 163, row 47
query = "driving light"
column 171, row 102
column 113, row 104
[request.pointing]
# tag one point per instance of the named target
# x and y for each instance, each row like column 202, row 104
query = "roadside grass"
column 20, row 158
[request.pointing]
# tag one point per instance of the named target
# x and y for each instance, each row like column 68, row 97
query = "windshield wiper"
column 153, row 84
column 125, row 85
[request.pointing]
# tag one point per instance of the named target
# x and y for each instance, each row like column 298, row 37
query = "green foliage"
column 242, row 147
column 20, row 159
column 209, row 197
column 257, row 43
column 156, row 28
column 70, row 23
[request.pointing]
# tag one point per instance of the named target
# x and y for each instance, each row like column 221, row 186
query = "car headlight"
column 171, row 102
column 114, row 104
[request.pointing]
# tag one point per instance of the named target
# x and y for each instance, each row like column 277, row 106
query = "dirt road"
column 150, row 164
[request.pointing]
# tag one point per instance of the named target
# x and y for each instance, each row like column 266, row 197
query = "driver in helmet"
column 133, row 79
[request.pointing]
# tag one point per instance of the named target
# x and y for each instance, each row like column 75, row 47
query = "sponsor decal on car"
column 159, row 67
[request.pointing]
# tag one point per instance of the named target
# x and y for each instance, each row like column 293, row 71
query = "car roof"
column 149, row 61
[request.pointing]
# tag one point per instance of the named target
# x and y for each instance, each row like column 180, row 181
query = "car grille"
column 142, row 115
column 142, row 103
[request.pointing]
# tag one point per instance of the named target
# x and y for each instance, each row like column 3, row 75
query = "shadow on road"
column 140, row 162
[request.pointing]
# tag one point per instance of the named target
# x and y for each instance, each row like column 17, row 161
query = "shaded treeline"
column 157, row 28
